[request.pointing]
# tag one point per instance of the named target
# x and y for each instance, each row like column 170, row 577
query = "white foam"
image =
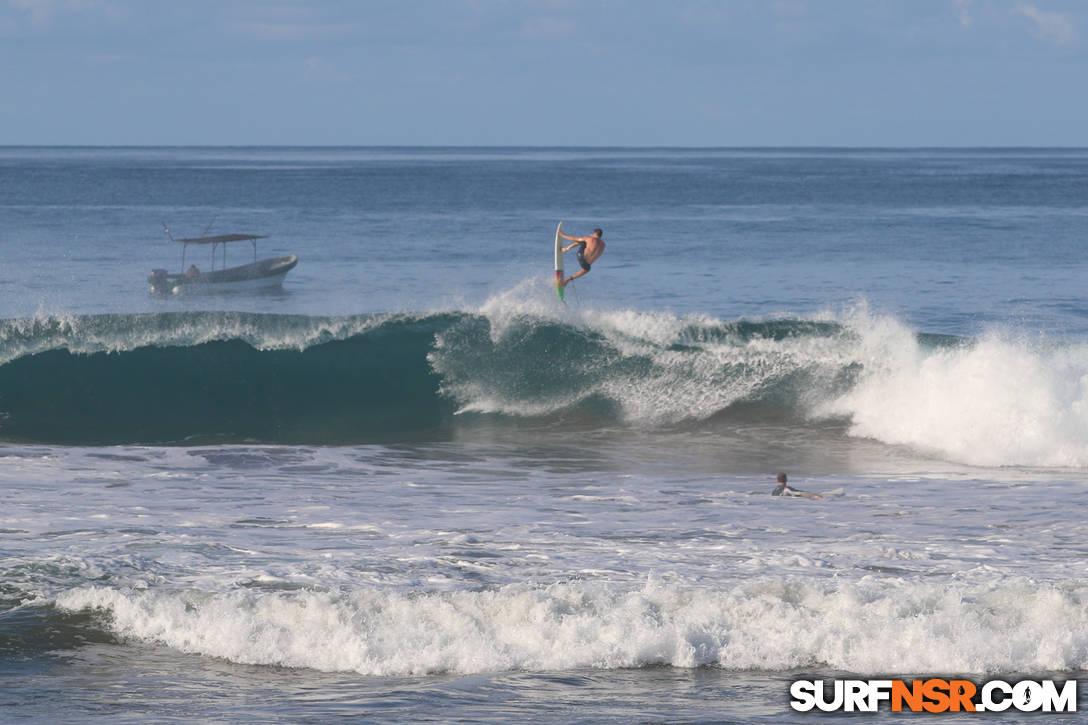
column 703, row 378
column 874, row 626
column 994, row 402
column 119, row 333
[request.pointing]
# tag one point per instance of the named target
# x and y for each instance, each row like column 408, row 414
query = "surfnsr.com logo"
column 933, row 695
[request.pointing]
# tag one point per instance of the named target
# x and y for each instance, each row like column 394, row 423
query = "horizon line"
column 930, row 147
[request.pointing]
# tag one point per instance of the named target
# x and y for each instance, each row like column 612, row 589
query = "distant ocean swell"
column 864, row 626
column 194, row 378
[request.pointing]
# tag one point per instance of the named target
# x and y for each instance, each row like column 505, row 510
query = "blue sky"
column 545, row 72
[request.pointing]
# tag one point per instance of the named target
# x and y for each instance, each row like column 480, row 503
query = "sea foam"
column 867, row 626
column 995, row 401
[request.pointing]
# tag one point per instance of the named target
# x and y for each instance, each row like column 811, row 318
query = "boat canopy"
column 214, row 241
column 221, row 239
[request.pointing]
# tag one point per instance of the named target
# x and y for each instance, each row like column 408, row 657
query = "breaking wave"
column 199, row 377
column 866, row 626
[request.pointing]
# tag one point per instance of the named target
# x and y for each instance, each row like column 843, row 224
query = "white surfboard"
column 559, row 261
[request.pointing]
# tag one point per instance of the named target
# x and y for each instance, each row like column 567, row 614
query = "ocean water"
column 413, row 485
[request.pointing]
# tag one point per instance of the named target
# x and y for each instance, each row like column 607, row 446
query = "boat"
column 259, row 274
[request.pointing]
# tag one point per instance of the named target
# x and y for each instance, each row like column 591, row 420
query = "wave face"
column 197, row 377
column 236, row 377
column 233, row 377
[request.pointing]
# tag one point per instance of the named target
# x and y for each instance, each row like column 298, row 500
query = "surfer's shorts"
column 582, row 257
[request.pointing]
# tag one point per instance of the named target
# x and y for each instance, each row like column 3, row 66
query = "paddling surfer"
column 590, row 250
column 783, row 489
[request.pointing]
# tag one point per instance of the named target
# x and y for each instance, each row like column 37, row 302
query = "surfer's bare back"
column 590, row 250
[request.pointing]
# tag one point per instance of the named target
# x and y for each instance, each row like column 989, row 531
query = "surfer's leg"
column 575, row 276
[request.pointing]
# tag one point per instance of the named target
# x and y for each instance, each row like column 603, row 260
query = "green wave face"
column 195, row 378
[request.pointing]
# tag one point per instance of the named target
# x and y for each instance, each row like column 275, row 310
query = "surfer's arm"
column 578, row 241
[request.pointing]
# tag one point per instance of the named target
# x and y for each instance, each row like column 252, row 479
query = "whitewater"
column 419, row 487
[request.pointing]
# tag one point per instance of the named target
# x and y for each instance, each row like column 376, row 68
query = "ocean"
column 412, row 485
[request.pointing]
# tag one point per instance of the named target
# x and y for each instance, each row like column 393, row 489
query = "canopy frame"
column 215, row 241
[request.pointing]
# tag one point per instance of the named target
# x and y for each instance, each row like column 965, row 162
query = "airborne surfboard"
column 559, row 262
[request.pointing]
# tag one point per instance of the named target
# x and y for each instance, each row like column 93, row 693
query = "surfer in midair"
column 590, row 250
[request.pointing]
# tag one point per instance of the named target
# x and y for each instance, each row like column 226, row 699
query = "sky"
column 544, row 72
